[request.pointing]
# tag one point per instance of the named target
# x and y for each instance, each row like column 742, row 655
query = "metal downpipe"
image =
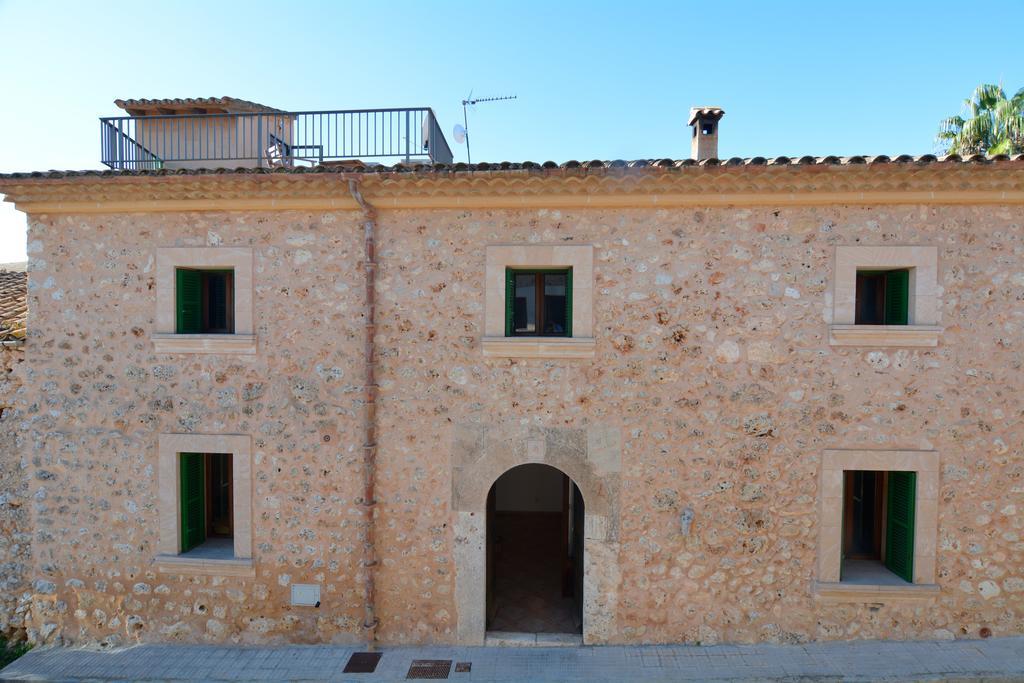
column 368, row 501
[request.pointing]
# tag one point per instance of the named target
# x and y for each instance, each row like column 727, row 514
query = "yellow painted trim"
column 528, row 201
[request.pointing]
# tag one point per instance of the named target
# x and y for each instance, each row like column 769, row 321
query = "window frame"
column 540, row 307
column 239, row 260
column 498, row 258
column 925, row 465
column 921, row 328
column 170, row 557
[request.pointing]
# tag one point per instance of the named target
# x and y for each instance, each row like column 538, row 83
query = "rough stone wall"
column 15, row 523
column 712, row 362
column 100, row 396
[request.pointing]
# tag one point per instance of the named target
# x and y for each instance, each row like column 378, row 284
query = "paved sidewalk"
column 996, row 659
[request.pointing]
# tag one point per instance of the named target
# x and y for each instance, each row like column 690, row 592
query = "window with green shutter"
column 899, row 527
column 538, row 302
column 206, row 498
column 883, row 297
column 204, row 301
column 193, row 500
column 878, row 510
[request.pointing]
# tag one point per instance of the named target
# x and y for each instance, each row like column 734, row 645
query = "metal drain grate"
column 429, row 668
column 362, row 663
column 463, row 667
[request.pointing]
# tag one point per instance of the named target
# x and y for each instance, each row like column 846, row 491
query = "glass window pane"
column 525, row 304
column 555, row 308
column 870, row 299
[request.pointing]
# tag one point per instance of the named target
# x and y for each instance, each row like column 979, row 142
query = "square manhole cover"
column 463, row 667
column 362, row 663
column 429, row 668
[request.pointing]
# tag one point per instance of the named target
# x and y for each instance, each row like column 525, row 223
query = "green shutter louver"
column 193, row 500
column 510, row 301
column 899, row 526
column 188, row 299
column 568, row 303
column 897, row 297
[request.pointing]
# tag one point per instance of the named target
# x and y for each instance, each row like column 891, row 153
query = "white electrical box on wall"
column 306, row 594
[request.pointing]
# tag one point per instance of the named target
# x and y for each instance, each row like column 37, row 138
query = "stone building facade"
column 15, row 522
column 715, row 388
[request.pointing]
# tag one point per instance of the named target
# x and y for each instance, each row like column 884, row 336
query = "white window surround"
column 578, row 257
column 923, row 314
column 169, row 559
column 239, row 259
column 830, row 524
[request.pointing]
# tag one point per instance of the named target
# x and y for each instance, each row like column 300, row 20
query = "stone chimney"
column 704, row 120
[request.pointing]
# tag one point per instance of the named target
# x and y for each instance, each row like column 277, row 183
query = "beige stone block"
column 582, row 315
column 927, row 484
column 175, row 564
column 924, row 309
column 831, row 485
column 469, row 553
column 204, row 343
column 601, row 580
column 538, row 347
column 884, row 335
column 924, row 569
column 535, row 449
column 829, row 552
column 595, row 527
column 825, row 591
column 604, row 449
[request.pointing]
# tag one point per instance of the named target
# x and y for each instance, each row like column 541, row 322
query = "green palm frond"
column 994, row 124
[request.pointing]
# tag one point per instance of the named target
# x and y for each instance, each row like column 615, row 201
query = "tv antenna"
column 461, row 133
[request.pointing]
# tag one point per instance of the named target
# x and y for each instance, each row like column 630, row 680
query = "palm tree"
column 994, row 124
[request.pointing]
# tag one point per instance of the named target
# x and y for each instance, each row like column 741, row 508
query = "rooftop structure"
column 205, row 132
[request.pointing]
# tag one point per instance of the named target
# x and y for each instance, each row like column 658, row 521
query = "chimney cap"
column 697, row 113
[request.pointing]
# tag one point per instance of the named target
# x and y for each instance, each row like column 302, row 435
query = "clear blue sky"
column 595, row 80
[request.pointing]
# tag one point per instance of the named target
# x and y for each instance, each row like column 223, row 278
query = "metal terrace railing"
column 271, row 139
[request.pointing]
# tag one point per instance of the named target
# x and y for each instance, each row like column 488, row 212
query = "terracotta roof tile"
column 13, row 305
column 489, row 167
column 233, row 104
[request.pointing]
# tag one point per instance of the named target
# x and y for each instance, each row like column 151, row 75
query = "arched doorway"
column 535, row 552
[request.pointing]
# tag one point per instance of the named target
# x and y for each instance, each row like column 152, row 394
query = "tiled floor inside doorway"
column 528, row 577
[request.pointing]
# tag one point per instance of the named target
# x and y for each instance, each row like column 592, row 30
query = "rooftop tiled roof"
column 427, row 168
column 13, row 305
column 232, row 104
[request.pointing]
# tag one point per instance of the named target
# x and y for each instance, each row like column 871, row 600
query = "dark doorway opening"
column 535, row 519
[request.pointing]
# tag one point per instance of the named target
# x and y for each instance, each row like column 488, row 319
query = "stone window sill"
column 176, row 564
column 204, row 343
column 538, row 347
column 884, row 335
column 861, row 592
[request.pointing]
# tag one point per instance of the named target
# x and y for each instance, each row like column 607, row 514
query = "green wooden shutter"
column 899, row 525
column 897, row 297
column 188, row 297
column 193, row 500
column 510, row 301
column 568, row 303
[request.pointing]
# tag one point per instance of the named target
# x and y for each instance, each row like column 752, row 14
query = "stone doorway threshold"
column 514, row 639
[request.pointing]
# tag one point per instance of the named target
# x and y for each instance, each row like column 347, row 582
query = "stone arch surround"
column 592, row 458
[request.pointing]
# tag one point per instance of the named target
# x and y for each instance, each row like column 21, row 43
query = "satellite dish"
column 459, row 133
